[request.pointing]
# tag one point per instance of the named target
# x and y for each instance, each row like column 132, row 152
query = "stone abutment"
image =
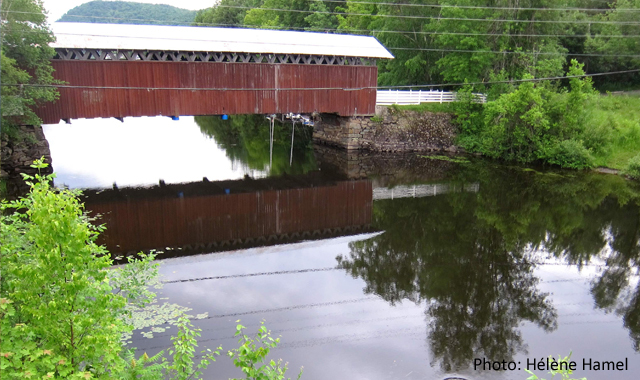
column 390, row 130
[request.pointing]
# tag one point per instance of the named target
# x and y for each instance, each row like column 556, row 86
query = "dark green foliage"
column 128, row 12
column 535, row 122
column 298, row 14
column 220, row 15
column 616, row 45
column 25, row 61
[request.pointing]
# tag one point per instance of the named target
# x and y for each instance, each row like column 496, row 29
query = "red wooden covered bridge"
column 144, row 70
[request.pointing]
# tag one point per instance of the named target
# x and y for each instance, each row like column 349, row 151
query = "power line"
column 373, row 31
column 344, row 31
column 384, row 16
column 320, row 88
column 434, row 18
column 443, row 6
column 357, row 47
column 516, row 52
column 363, row 30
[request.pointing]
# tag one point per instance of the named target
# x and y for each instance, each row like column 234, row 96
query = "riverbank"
column 610, row 128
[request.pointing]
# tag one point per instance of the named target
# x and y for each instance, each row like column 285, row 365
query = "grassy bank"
column 615, row 122
column 610, row 127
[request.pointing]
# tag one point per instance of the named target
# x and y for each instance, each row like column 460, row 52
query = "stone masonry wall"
column 389, row 131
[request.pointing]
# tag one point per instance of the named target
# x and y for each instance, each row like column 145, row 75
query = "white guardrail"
column 389, row 97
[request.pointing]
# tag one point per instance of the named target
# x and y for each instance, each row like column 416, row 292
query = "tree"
column 54, row 276
column 617, row 38
column 25, row 62
column 228, row 13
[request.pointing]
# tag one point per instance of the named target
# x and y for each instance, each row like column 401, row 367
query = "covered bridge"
column 146, row 70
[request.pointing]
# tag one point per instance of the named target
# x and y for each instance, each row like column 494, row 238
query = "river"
column 368, row 266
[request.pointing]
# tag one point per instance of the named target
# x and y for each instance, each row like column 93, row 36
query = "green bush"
column 517, row 125
column 633, row 168
column 468, row 112
column 64, row 309
column 570, row 154
column 251, row 356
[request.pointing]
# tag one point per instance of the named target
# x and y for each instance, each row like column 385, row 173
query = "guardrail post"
column 441, row 96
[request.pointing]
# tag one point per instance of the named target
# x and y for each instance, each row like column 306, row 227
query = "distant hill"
column 126, row 12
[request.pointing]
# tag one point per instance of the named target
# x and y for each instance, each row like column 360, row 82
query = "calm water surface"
column 368, row 266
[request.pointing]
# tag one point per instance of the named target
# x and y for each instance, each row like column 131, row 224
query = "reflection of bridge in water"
column 211, row 216
column 215, row 216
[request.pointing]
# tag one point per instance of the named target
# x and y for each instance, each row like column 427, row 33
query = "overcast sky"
column 57, row 8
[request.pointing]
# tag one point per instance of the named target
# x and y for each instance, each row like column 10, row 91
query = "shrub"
column 252, row 354
column 633, row 168
column 570, row 154
column 468, row 111
column 517, row 125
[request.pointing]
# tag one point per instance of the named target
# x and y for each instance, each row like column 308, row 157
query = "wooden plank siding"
column 97, row 102
column 156, row 223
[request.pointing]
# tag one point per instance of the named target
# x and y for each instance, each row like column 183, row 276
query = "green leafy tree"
column 320, row 19
column 55, row 277
column 615, row 39
column 26, row 70
column 230, row 13
column 540, row 122
column 296, row 14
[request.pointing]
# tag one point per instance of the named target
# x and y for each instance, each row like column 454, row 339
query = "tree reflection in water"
column 245, row 138
column 470, row 256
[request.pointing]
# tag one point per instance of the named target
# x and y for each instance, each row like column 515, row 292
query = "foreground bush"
column 60, row 315
column 64, row 309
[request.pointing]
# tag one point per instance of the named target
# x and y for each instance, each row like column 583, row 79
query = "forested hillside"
column 125, row 12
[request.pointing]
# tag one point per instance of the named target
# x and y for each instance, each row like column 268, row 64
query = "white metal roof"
column 191, row 38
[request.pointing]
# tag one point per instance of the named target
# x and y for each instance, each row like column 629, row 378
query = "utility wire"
column 480, row 7
column 360, row 47
column 350, row 32
column 384, row 16
column 359, row 30
column 432, row 17
column 322, row 88
column 518, row 52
